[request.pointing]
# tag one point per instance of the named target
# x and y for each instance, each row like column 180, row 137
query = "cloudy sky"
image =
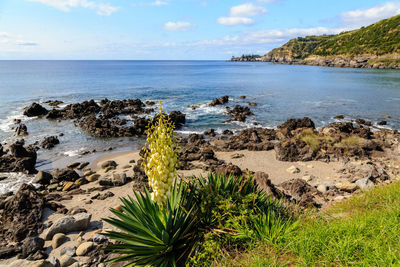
column 172, row 29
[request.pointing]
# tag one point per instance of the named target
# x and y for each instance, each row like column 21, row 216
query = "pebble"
column 82, row 165
column 309, row 178
column 66, row 260
column 85, row 248
column 108, row 163
column 293, row 169
column 93, row 177
column 68, row 186
column 73, row 165
column 88, row 173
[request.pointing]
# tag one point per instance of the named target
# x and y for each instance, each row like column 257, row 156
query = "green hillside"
column 377, row 39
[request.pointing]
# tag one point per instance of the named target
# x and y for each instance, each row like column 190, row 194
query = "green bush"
column 203, row 219
column 153, row 235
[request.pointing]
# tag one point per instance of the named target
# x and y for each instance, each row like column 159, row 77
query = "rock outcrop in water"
column 21, row 159
column 103, row 119
column 35, row 110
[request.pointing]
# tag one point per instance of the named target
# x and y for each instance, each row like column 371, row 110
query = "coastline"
column 311, row 168
column 340, row 61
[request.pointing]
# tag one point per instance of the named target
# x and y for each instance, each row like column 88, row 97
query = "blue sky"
column 172, row 29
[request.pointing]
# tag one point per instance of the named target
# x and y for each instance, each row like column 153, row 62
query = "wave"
column 14, row 181
column 7, row 123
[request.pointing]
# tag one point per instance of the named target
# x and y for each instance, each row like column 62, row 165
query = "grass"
column 361, row 231
column 351, row 141
column 311, row 139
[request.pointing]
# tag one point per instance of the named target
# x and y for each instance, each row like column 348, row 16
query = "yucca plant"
column 152, row 234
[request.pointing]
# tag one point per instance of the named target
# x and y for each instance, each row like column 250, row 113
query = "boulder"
column 31, row 245
column 58, row 240
column 67, row 224
column 22, row 159
column 364, row 183
column 22, row 215
column 293, row 124
column 21, row 130
column 35, row 110
column 219, row 101
column 49, row 142
column 43, row 178
column 66, row 174
column 300, row 192
column 262, row 181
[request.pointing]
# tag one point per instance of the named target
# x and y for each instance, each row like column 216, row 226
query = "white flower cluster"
column 161, row 160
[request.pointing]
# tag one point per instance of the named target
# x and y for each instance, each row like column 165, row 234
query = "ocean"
column 280, row 91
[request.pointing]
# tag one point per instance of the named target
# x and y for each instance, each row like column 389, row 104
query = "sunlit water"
column 281, row 92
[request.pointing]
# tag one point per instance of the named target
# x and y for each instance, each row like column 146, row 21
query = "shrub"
column 233, row 213
column 152, row 234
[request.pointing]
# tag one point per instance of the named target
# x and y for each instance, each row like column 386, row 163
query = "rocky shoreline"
column 363, row 61
column 58, row 222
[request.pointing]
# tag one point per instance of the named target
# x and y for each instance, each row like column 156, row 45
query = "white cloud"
column 178, row 26
column 247, row 10
column 66, row 5
column 363, row 17
column 234, row 21
column 240, row 15
column 26, row 43
column 159, row 3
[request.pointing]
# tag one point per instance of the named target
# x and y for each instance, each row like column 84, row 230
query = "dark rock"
column 252, row 104
column 239, row 113
column 9, row 251
column 22, row 159
column 339, row 117
column 242, row 97
column 21, row 130
column 32, row 245
column 219, row 101
column 150, row 103
column 382, row 123
column 178, row 118
column 293, row 124
column 293, row 150
column 35, row 110
column 53, row 103
column 262, row 181
column 43, row 178
column 227, row 132
column 65, row 175
column 49, row 142
column 229, row 169
column 22, row 215
column 301, row 192
column 210, row 132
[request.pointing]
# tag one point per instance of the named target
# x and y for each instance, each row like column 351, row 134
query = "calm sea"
column 281, row 92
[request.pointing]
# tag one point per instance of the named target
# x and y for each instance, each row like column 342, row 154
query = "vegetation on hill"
column 381, row 38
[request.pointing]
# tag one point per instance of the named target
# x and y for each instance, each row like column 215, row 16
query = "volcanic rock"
column 35, row 110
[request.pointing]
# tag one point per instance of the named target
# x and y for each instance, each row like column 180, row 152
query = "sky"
column 172, row 29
